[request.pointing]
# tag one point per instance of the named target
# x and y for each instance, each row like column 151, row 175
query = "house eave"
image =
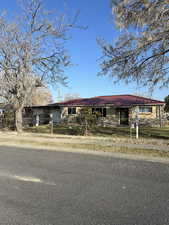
column 104, row 105
column 149, row 104
column 113, row 105
column 43, row 106
column 58, row 106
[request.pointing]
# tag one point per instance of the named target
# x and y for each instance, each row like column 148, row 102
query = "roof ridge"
column 129, row 95
column 111, row 95
column 146, row 98
column 107, row 99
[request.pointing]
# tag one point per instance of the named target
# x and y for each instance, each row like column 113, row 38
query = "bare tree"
column 41, row 96
column 141, row 53
column 32, row 53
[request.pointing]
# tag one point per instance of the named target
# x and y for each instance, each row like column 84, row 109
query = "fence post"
column 37, row 120
column 51, row 123
column 137, row 122
column 160, row 116
column 137, row 130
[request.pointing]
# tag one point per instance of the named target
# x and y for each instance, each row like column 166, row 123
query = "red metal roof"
column 116, row 100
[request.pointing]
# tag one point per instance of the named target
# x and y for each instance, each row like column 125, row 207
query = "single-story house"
column 114, row 110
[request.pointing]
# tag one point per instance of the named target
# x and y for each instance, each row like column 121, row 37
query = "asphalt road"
column 47, row 187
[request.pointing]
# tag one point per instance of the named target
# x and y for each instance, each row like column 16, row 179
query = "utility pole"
column 59, row 96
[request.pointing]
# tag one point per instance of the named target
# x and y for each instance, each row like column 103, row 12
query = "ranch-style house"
column 114, row 110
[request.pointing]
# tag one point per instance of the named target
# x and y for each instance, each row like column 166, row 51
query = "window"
column 145, row 109
column 100, row 111
column 71, row 110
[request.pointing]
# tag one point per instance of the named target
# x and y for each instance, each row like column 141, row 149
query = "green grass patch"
column 46, row 129
column 144, row 132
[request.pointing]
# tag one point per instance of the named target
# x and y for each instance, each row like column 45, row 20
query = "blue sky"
column 84, row 50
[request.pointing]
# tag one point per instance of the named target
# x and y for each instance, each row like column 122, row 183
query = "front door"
column 56, row 116
column 124, row 116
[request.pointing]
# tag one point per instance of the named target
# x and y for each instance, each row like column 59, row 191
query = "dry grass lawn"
column 148, row 147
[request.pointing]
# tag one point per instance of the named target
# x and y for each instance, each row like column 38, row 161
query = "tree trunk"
column 18, row 120
column 86, row 128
